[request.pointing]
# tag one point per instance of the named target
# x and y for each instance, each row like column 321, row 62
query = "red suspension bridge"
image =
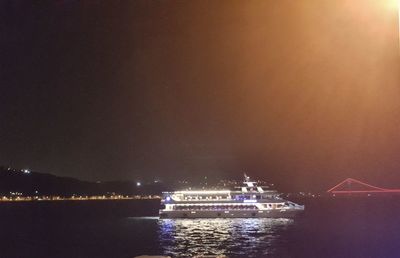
column 350, row 185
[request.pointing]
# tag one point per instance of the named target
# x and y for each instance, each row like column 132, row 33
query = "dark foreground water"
column 354, row 227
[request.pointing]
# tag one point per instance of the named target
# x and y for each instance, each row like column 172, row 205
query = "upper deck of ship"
column 249, row 192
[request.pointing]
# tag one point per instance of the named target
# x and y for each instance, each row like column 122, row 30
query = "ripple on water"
column 232, row 237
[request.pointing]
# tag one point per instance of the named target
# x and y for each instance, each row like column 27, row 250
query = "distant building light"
column 26, row 171
column 138, row 184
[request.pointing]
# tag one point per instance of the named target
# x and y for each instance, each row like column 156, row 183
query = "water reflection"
column 231, row 237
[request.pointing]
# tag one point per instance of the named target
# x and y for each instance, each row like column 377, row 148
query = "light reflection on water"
column 253, row 237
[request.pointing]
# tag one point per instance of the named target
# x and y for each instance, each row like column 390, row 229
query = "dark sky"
column 300, row 93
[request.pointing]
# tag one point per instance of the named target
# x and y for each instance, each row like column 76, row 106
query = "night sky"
column 299, row 93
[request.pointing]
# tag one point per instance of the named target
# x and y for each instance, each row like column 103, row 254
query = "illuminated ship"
column 248, row 202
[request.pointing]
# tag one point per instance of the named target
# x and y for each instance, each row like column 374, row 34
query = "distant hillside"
column 35, row 183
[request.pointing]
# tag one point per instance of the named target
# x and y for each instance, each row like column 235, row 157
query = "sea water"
column 329, row 227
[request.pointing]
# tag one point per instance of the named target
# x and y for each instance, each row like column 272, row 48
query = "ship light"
column 168, row 198
column 249, row 200
column 205, row 192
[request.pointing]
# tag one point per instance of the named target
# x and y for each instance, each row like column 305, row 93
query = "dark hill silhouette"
column 35, row 183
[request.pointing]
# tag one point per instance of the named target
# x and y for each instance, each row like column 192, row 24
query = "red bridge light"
column 345, row 186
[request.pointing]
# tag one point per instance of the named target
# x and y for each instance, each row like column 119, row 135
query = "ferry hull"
column 230, row 214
